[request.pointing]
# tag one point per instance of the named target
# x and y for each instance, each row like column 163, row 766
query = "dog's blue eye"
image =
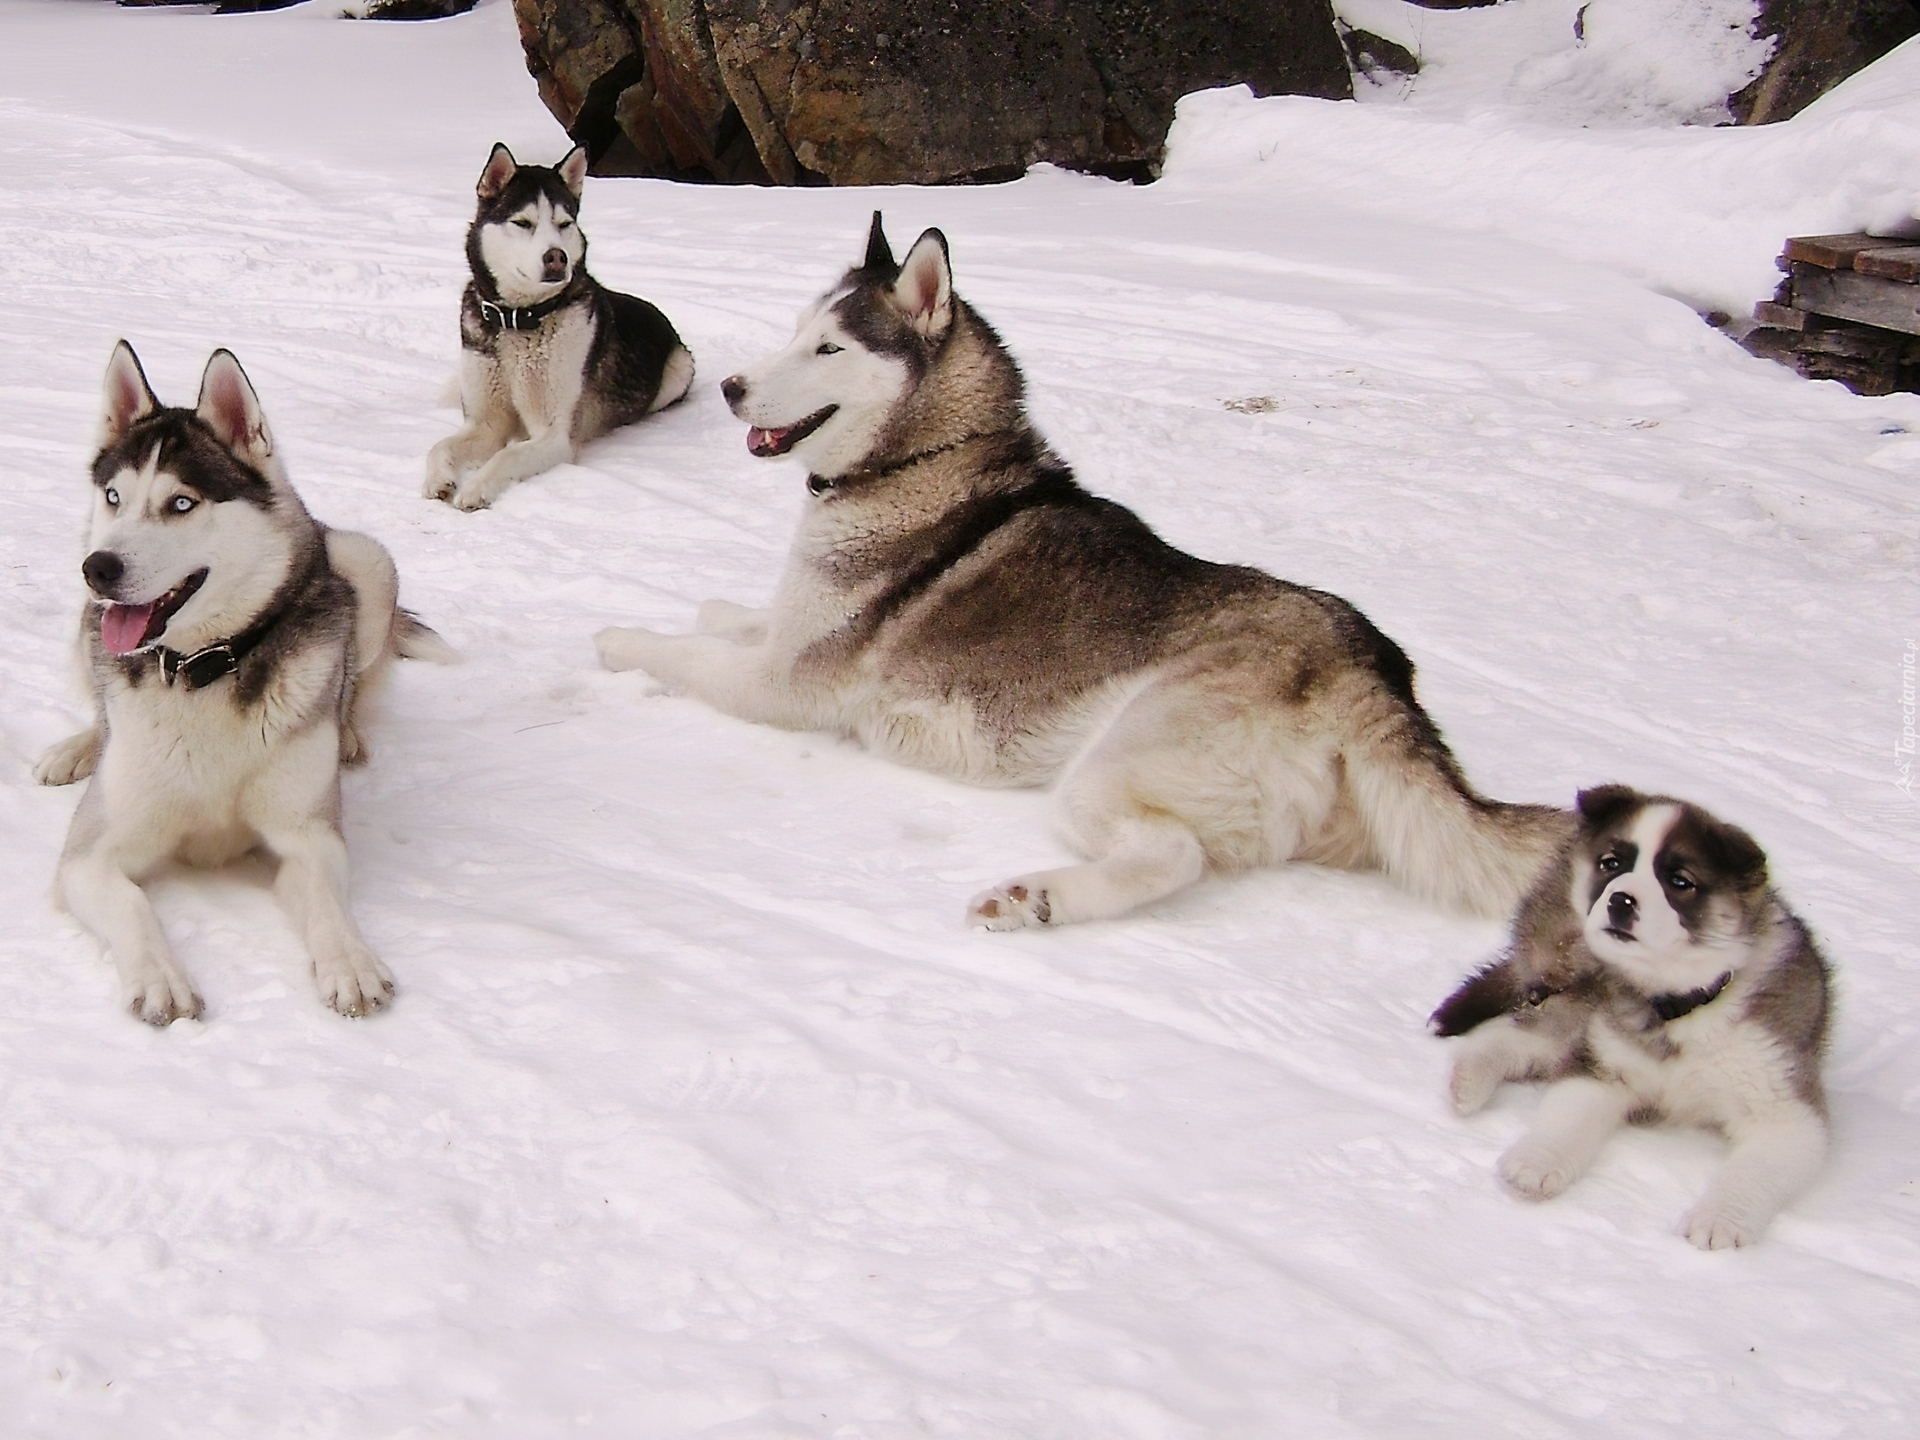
column 828, row 349
column 113, row 496
column 563, row 222
column 1609, row 863
column 1679, row 882
column 181, row 504
column 524, row 224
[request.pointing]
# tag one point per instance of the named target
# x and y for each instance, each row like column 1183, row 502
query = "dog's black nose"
column 103, row 570
column 1622, row 909
column 555, row 262
column 734, row 389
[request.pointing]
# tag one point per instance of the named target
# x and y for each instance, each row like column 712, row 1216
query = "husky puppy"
column 1653, row 976
column 224, row 638
column 956, row 601
column 550, row 357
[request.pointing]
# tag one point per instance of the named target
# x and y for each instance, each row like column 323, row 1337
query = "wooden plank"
column 1901, row 263
column 1834, row 252
column 1780, row 317
column 1871, row 301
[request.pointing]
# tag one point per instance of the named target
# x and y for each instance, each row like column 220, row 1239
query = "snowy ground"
column 700, row 1113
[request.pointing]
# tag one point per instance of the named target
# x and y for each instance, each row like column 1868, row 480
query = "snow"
column 1577, row 62
column 700, row 1113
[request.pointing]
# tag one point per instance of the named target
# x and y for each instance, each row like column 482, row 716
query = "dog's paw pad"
column 1535, row 1174
column 438, row 487
column 1010, row 907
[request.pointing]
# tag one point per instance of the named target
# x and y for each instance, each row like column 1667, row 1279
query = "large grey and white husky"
column 1655, row 976
column 550, row 358
column 225, row 639
column 956, row 601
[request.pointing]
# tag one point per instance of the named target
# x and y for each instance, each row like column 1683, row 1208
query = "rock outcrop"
column 1821, row 42
column 854, row 92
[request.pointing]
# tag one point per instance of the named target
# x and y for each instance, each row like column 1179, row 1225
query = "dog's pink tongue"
column 123, row 627
column 763, row 442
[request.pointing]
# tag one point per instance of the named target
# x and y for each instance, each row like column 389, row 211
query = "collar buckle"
column 201, row 668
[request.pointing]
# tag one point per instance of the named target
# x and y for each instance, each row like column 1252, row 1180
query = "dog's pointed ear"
column 125, row 396
column 1604, row 804
column 232, row 411
column 500, row 169
column 879, row 252
column 924, row 290
column 573, row 170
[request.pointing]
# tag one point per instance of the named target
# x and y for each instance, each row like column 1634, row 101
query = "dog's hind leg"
column 1135, row 803
column 312, row 888
column 70, row 759
column 1499, row 1051
column 99, row 894
column 1188, row 773
column 676, row 378
column 1149, row 856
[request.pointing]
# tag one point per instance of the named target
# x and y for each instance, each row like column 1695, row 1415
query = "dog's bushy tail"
column 412, row 639
column 1438, row 838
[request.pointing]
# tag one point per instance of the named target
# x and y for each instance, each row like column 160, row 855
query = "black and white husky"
column 956, row 601
column 224, row 639
column 1654, row 976
column 550, row 357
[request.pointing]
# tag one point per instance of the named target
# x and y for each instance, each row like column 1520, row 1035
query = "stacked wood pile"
column 1848, row 310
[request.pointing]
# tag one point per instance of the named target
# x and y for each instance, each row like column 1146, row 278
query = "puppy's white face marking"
column 517, row 251
column 824, row 398
column 1632, row 923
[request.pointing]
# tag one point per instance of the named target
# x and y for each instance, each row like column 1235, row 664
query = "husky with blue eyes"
column 956, row 600
column 550, row 358
column 1653, row 976
column 226, row 637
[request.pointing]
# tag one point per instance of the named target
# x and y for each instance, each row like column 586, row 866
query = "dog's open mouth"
column 125, row 628
column 769, row 443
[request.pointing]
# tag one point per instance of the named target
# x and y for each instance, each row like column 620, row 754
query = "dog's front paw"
column 472, row 494
column 1715, row 1225
column 162, row 996
column 1472, row 1084
column 70, row 760
column 442, row 473
column 1536, row 1172
column 356, row 984
column 353, row 749
column 625, row 648
column 1012, row 906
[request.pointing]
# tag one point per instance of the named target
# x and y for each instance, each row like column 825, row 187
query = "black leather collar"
column 1672, row 1006
column 821, row 484
column 495, row 316
column 215, row 662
